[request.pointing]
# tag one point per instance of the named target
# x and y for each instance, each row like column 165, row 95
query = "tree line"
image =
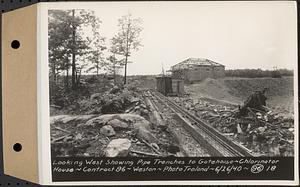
column 256, row 73
column 76, row 45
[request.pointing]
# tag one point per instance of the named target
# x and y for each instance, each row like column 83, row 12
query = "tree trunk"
column 115, row 81
column 127, row 52
column 97, row 64
column 114, row 72
column 97, row 67
column 67, row 78
column 54, row 72
column 114, row 69
column 79, row 75
column 73, row 52
column 125, row 73
column 76, row 77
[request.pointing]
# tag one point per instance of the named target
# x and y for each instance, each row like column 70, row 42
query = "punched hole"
column 15, row 44
column 17, row 147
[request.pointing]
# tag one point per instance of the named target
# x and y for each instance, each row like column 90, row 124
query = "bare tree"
column 127, row 39
column 114, row 64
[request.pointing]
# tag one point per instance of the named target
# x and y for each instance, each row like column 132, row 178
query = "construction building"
column 197, row 69
column 169, row 86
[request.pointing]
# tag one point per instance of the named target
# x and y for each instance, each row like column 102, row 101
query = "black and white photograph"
column 195, row 79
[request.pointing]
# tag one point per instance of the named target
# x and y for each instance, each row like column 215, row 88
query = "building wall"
column 170, row 86
column 199, row 73
column 164, row 85
column 177, row 87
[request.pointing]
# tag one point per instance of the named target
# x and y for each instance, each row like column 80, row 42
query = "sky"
column 236, row 34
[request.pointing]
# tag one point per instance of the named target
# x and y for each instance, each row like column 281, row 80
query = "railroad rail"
column 213, row 141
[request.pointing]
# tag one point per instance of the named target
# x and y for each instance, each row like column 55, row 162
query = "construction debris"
column 256, row 101
column 265, row 132
column 122, row 116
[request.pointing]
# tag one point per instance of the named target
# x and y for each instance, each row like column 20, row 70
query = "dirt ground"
column 98, row 97
column 236, row 90
column 271, row 132
column 142, row 81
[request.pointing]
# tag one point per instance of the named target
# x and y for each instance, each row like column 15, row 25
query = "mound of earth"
column 279, row 90
column 212, row 88
column 236, row 90
column 142, row 81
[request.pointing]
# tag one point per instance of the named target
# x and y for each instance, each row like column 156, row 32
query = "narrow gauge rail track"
column 214, row 142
